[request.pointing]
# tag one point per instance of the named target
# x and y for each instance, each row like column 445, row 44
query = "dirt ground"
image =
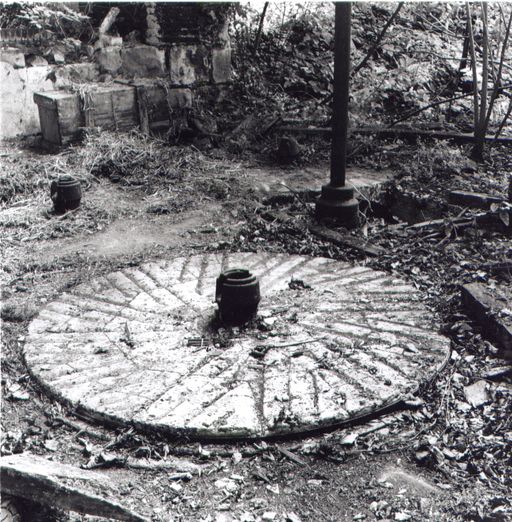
column 427, row 461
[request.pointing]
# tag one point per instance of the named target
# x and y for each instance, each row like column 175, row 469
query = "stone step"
column 491, row 309
column 57, row 485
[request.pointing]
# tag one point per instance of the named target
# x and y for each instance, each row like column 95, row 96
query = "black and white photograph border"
column 256, row 261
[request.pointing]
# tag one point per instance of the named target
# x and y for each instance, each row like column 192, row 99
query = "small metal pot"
column 65, row 193
column 237, row 295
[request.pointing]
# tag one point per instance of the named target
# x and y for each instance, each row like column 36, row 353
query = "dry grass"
column 173, row 178
column 36, row 220
column 133, row 158
column 146, row 161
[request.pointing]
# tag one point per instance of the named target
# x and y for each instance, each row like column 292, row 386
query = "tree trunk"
column 260, row 28
column 481, row 117
column 465, row 50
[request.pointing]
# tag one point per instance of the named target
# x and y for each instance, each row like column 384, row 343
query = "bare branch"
column 497, row 80
column 260, row 28
column 465, row 50
column 452, row 58
column 485, row 69
column 369, row 54
column 473, row 66
column 440, row 102
column 507, row 115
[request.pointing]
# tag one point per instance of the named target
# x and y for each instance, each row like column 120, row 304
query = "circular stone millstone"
column 332, row 342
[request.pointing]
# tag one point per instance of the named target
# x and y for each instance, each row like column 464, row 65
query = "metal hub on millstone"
column 331, row 342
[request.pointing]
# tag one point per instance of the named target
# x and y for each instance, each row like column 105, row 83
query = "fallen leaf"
column 505, row 218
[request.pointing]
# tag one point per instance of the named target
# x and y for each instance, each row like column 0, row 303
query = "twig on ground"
column 297, row 196
column 290, row 455
column 68, row 214
column 298, row 343
column 82, row 430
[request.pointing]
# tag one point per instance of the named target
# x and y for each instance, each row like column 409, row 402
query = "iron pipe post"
column 337, row 200
column 341, row 93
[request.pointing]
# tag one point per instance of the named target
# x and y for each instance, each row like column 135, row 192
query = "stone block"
column 18, row 112
column 42, row 481
column 58, row 57
column 473, row 199
column 88, row 50
column 221, row 65
column 76, row 73
column 153, row 27
column 201, row 61
column 34, row 60
column 152, row 37
column 106, row 40
column 12, row 57
column 223, row 34
column 181, row 69
column 188, row 64
column 490, row 308
column 111, row 106
column 109, row 60
column 143, row 61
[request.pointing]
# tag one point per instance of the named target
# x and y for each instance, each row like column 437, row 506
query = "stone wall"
column 185, row 45
column 19, row 81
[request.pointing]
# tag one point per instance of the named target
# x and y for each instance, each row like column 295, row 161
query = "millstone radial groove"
column 142, row 347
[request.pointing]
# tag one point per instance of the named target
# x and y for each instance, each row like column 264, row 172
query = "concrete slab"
column 414, row 484
column 140, row 347
column 57, row 485
column 272, row 182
